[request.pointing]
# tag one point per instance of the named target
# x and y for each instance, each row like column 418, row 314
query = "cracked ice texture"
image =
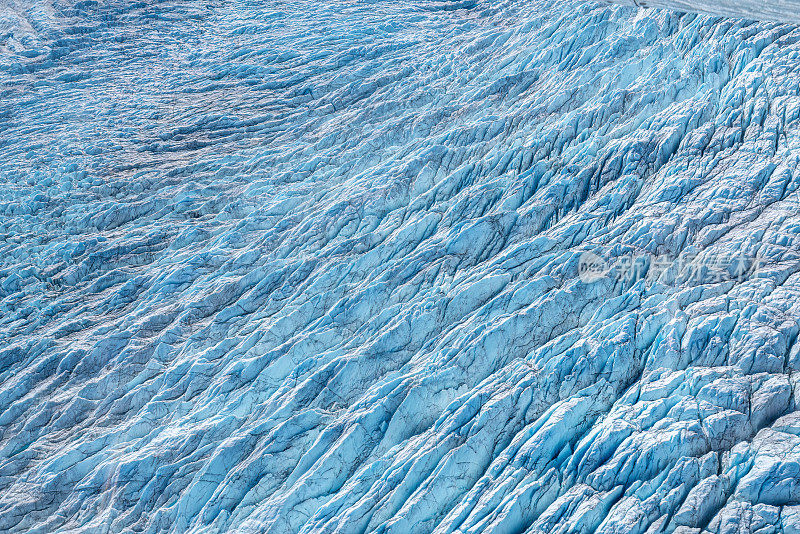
column 775, row 10
column 313, row 267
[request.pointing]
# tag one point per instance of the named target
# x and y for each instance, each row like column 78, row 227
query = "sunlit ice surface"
column 397, row 267
column 768, row 10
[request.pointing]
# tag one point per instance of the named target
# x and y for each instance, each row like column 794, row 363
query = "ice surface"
column 774, row 10
column 321, row 266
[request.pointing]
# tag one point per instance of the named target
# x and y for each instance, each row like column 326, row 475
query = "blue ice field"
column 398, row 266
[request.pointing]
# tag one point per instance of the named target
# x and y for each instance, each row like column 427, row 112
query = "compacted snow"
column 397, row 266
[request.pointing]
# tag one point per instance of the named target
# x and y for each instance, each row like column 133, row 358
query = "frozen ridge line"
column 768, row 10
column 397, row 267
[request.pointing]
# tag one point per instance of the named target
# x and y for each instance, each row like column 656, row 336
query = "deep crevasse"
column 314, row 267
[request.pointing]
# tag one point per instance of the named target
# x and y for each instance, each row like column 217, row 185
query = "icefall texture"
column 774, row 10
column 357, row 266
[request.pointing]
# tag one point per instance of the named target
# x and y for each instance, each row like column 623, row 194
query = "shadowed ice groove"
column 324, row 267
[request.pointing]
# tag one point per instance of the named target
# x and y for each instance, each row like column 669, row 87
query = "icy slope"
column 774, row 10
column 321, row 266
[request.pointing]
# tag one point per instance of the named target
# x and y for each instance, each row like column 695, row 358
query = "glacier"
column 770, row 10
column 350, row 266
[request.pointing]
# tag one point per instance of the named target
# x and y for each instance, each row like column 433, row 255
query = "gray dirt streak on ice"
column 313, row 267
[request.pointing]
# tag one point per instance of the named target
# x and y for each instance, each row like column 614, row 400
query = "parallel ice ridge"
column 773, row 10
column 313, row 266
